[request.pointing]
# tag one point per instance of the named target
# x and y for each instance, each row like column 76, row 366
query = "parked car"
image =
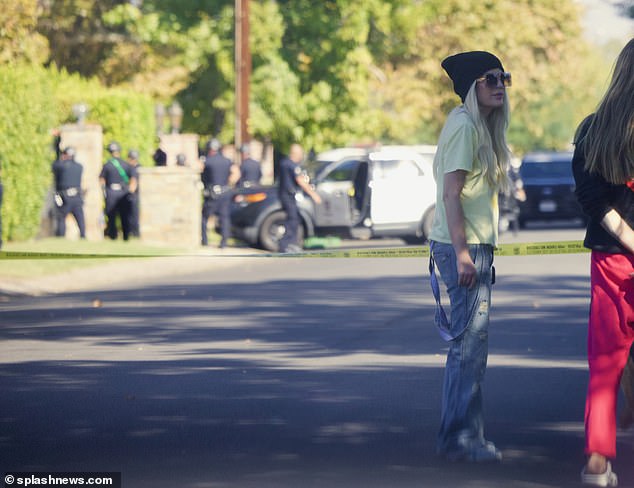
column 509, row 200
column 385, row 192
column 549, row 187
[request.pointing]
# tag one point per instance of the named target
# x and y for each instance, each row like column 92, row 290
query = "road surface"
column 288, row 372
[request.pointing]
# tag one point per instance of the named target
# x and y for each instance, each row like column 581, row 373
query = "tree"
column 333, row 72
column 83, row 41
column 18, row 36
column 554, row 83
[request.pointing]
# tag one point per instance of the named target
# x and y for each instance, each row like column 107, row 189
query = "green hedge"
column 29, row 112
column 125, row 116
column 34, row 101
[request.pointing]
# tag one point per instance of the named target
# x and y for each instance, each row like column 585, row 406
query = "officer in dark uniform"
column 219, row 174
column 118, row 179
column 291, row 181
column 250, row 170
column 133, row 161
column 181, row 159
column 160, row 157
column 68, row 199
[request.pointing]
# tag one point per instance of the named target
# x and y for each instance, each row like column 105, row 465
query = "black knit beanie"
column 465, row 68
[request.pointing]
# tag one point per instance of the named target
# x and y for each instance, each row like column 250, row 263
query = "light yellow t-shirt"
column 457, row 150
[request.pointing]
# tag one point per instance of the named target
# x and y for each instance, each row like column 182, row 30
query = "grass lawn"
column 54, row 255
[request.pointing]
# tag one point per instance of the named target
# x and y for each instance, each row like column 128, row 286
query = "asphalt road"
column 289, row 372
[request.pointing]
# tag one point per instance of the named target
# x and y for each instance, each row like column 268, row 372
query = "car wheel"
column 273, row 229
column 423, row 232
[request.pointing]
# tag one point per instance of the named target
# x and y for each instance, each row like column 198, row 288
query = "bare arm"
column 133, row 184
column 453, row 184
column 303, row 184
column 619, row 229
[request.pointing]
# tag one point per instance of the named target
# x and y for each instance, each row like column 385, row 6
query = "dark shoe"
column 484, row 453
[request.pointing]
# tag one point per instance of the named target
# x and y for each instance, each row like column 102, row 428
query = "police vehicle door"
column 336, row 188
column 398, row 188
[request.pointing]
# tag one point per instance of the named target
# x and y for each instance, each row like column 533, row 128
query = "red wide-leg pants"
column 610, row 336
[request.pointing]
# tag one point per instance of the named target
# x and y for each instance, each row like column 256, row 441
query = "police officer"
column 133, row 196
column 291, row 181
column 118, row 179
column 67, row 174
column 250, row 170
column 160, row 157
column 219, row 174
column 181, row 159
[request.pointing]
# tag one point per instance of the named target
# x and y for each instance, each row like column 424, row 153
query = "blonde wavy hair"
column 493, row 150
column 609, row 142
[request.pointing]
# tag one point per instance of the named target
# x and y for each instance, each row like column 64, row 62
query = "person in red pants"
column 603, row 167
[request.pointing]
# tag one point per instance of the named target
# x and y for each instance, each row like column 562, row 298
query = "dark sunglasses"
column 492, row 80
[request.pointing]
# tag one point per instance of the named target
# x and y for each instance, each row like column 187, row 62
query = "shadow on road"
column 288, row 383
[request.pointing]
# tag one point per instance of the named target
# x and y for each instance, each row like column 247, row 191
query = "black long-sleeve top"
column 597, row 197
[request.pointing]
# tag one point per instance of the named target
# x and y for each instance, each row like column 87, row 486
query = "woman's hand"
column 467, row 272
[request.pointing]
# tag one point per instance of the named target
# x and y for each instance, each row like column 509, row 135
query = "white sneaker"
column 607, row 478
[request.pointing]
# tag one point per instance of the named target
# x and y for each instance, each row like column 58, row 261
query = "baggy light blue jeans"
column 462, row 419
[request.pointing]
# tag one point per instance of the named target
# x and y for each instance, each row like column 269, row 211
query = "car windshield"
column 344, row 171
column 397, row 168
column 327, row 171
column 314, row 168
column 549, row 169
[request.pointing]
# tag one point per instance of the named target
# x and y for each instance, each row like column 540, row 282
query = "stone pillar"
column 186, row 144
column 88, row 143
column 170, row 205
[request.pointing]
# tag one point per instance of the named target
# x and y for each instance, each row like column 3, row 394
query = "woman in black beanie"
column 470, row 168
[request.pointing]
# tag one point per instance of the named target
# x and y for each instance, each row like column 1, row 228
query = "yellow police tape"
column 26, row 255
column 519, row 249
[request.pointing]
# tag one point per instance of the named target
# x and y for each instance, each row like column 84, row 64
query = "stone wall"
column 170, row 205
column 174, row 144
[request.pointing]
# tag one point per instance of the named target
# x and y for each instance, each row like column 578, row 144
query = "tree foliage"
column 336, row 71
column 84, row 39
column 554, row 81
column 18, row 37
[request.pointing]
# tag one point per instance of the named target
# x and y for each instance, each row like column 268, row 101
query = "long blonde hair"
column 493, row 150
column 609, row 142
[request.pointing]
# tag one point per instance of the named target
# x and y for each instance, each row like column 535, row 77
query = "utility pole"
column 243, row 73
